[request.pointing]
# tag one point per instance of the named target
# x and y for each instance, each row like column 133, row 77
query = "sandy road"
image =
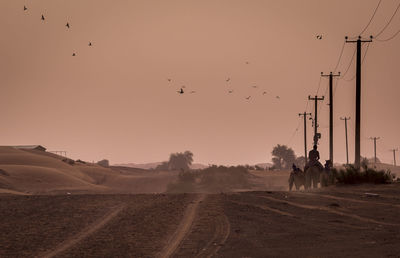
column 68, row 243
column 183, row 228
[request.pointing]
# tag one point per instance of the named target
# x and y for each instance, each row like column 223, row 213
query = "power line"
column 362, row 62
column 387, row 24
column 372, row 17
column 390, row 38
column 319, row 85
column 340, row 56
column 351, row 61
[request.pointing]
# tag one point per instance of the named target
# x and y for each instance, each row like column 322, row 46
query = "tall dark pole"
column 358, row 101
column 347, row 144
column 331, row 75
column 394, row 156
column 374, row 138
column 316, row 136
column 305, row 133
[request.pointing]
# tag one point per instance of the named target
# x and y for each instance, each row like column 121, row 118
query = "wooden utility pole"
column 305, row 114
column 347, row 144
column 358, row 100
column 394, row 155
column 330, row 75
column 374, row 138
column 316, row 135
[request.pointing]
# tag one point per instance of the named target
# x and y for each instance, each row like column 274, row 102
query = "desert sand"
column 52, row 209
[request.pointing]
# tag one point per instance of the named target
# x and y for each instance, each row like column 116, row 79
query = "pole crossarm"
column 359, row 39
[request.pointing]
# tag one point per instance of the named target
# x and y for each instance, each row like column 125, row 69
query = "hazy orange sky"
column 113, row 100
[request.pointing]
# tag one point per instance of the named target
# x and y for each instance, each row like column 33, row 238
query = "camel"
column 298, row 178
column 312, row 177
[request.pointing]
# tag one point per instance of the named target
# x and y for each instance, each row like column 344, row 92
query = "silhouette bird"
column 67, row 25
column 264, row 92
column 90, row 44
column 73, row 54
column 319, row 37
column 181, row 91
column 227, row 80
column 248, row 97
column 43, row 17
column 25, row 8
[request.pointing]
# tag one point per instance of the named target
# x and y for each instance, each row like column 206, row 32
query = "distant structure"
column 60, row 153
column 30, row 147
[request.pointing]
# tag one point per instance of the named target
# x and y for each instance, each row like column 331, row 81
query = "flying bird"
column 231, row 91
column 180, row 91
column 319, row 37
column 278, row 97
column 248, row 97
column 227, row 80
column 67, row 25
column 43, row 17
column 25, row 8
column 169, row 79
column 90, row 44
column 73, row 54
column 264, row 92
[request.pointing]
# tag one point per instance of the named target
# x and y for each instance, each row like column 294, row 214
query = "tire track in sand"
column 326, row 209
column 351, row 199
column 221, row 234
column 84, row 233
column 183, row 228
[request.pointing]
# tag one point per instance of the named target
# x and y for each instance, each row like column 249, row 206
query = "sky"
column 113, row 99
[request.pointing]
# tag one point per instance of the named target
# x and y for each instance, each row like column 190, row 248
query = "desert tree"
column 283, row 157
column 180, row 161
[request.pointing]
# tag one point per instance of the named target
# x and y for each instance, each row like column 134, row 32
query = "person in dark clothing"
column 313, row 157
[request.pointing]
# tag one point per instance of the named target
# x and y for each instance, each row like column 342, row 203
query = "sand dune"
column 39, row 172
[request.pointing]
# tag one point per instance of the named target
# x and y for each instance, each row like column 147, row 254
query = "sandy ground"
column 49, row 208
column 330, row 222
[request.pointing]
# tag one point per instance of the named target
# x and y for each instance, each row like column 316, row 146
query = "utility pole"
column 374, row 138
column 330, row 75
column 347, row 144
column 358, row 99
column 394, row 155
column 316, row 135
column 305, row 114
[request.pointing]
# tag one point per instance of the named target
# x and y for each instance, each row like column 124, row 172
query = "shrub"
column 351, row 175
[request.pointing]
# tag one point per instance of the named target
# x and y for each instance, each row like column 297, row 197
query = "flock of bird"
column 181, row 91
column 66, row 25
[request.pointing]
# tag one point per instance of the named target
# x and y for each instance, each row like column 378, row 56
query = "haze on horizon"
column 113, row 100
